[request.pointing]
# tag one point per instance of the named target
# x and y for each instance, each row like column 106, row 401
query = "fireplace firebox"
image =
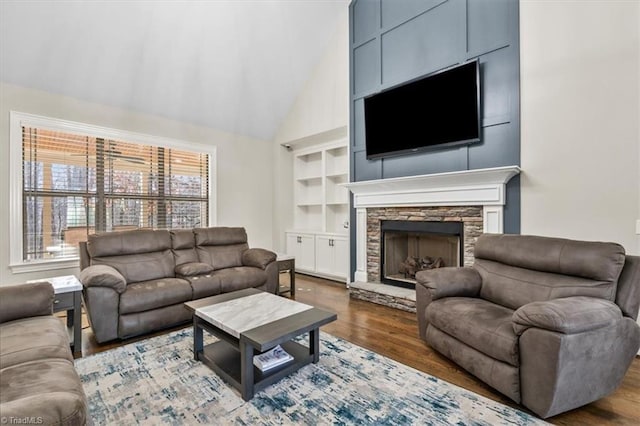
column 411, row 246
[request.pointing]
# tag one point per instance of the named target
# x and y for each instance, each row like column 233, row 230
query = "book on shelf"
column 271, row 358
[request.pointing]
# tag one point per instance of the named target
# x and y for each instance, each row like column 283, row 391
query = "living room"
column 573, row 104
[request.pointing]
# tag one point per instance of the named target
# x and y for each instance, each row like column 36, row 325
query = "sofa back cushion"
column 139, row 255
column 519, row 269
column 128, row 242
column 183, row 245
column 221, row 247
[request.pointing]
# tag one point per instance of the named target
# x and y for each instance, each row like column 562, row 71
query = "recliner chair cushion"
column 515, row 287
column 478, row 323
column 33, row 339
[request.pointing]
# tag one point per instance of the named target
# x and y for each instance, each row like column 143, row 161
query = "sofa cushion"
column 48, row 390
column 152, row 294
column 478, row 323
column 220, row 257
column 204, row 285
column 193, row 268
column 103, row 276
column 31, row 339
column 258, row 258
column 514, row 287
column 140, row 267
column 182, row 239
column 219, row 236
column 232, row 279
column 128, row 242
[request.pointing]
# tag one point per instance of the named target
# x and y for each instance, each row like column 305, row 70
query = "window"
column 81, row 180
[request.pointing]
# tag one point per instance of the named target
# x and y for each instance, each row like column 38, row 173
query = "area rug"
column 157, row 381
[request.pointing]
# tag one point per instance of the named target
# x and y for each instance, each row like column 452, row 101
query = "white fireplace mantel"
column 482, row 187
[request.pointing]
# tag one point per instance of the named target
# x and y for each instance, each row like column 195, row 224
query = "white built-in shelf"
column 308, row 178
column 319, row 173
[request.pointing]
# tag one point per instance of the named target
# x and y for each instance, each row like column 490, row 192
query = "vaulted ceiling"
column 235, row 66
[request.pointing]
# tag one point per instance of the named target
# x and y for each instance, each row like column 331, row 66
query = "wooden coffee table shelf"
column 232, row 356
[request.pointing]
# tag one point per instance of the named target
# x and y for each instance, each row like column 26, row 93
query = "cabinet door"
column 341, row 257
column 324, row 255
column 292, row 245
column 301, row 246
column 305, row 258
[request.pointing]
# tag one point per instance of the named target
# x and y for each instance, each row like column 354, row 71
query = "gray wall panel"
column 488, row 25
column 512, row 208
column 368, row 22
column 441, row 35
column 366, row 65
column 395, row 12
column 364, row 169
column 358, row 125
column 496, row 81
column 497, row 148
column 426, row 162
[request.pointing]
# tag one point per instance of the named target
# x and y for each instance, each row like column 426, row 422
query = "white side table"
column 68, row 297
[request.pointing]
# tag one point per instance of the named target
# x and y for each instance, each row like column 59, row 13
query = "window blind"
column 75, row 185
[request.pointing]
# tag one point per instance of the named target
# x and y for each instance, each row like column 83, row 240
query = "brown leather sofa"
column 137, row 281
column 549, row 322
column 38, row 382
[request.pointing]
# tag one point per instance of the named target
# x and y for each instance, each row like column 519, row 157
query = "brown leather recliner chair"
column 549, row 322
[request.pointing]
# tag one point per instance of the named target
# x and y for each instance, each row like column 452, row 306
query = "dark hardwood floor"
column 394, row 334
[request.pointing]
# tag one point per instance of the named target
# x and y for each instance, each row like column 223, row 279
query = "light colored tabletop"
column 284, row 256
column 62, row 284
column 245, row 313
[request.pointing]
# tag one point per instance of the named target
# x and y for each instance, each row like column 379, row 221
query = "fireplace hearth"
column 411, row 246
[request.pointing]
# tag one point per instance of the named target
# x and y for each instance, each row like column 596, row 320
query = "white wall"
column 580, row 111
column 244, row 166
column 322, row 105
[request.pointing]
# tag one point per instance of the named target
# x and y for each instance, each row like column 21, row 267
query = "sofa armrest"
column 103, row 276
column 191, row 269
column 568, row 315
column 450, row 282
column 258, row 258
column 25, row 300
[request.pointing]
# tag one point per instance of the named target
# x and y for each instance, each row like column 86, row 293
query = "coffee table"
column 249, row 322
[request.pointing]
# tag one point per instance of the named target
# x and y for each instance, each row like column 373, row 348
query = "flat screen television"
column 435, row 111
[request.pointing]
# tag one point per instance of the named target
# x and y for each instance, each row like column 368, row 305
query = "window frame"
column 19, row 119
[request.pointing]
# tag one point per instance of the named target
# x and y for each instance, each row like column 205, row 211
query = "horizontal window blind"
column 75, row 185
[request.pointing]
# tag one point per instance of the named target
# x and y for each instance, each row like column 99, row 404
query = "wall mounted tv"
column 435, row 111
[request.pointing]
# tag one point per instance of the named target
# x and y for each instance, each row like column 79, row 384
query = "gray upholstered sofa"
column 548, row 322
column 38, row 382
column 137, row 281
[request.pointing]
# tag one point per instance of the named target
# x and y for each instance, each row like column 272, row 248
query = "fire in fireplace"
column 411, row 246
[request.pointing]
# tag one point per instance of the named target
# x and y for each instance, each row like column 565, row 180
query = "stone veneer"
column 470, row 216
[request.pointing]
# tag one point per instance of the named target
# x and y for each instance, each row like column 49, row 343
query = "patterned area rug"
column 156, row 381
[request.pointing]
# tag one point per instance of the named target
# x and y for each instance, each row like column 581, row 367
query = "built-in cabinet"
column 302, row 246
column 319, row 238
column 332, row 255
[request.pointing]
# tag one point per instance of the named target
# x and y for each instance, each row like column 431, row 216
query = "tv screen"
column 439, row 110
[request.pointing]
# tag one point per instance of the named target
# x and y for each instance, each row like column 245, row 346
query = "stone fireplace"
column 409, row 246
column 471, row 200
